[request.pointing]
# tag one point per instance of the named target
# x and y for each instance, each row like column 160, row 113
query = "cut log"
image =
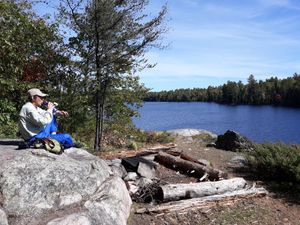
column 171, row 192
column 204, row 202
column 190, row 168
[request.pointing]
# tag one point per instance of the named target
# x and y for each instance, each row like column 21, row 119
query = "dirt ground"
column 281, row 206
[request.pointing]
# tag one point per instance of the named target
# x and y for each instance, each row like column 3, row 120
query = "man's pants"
column 47, row 132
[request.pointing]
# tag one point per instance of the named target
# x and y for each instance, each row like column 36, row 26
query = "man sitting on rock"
column 36, row 123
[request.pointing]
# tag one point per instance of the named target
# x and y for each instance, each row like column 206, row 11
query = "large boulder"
column 233, row 141
column 38, row 187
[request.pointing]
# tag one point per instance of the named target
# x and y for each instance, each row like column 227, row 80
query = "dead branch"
column 140, row 152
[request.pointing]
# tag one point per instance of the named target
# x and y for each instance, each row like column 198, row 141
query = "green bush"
column 132, row 145
column 276, row 161
column 8, row 118
column 204, row 138
column 157, row 137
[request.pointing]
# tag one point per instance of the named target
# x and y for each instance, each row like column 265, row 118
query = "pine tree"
column 111, row 37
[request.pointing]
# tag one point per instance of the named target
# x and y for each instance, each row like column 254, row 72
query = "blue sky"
column 215, row 41
column 211, row 42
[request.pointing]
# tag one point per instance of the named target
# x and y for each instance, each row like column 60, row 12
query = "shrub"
column 276, row 161
column 8, row 118
column 132, row 145
column 158, row 137
column 205, row 138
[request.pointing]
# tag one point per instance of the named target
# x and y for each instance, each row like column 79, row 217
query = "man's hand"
column 51, row 106
column 62, row 113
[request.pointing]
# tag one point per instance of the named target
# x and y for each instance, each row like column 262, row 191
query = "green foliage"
column 207, row 138
column 151, row 137
column 272, row 91
column 132, row 145
column 276, row 161
column 95, row 72
column 8, row 127
column 28, row 49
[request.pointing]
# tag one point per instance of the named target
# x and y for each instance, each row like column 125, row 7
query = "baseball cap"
column 36, row 91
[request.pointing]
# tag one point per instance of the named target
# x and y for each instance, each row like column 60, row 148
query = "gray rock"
column 150, row 158
column 233, row 141
column 113, row 161
column 36, row 184
column 112, row 195
column 3, row 218
column 73, row 219
column 117, row 168
column 132, row 187
column 146, row 170
column 131, row 176
column 143, row 181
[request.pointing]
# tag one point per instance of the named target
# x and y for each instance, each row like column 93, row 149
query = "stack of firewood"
column 213, row 187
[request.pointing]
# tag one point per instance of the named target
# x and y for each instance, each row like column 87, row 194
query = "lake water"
column 258, row 123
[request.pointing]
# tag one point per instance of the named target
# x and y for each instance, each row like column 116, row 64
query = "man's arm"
column 62, row 113
column 40, row 117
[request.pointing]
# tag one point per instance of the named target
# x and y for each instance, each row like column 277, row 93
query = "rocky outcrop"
column 233, row 141
column 191, row 132
column 38, row 187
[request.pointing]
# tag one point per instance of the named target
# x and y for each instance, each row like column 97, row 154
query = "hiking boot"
column 23, row 145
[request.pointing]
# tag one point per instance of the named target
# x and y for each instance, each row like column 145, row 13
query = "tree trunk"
column 96, row 144
column 171, row 192
column 183, row 206
column 101, row 119
column 98, row 74
column 190, row 168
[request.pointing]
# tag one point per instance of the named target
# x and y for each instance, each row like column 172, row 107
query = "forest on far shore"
column 272, row 91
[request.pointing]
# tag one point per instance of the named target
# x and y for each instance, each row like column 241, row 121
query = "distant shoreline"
column 280, row 106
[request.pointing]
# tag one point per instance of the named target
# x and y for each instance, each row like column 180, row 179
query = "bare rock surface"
column 191, row 132
column 3, row 219
column 38, row 187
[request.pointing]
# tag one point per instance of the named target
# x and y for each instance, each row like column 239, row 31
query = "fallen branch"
column 184, row 156
column 171, row 192
column 188, row 167
column 204, row 202
column 140, row 152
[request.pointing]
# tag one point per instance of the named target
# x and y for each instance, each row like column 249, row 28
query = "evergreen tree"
column 111, row 37
column 272, row 91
